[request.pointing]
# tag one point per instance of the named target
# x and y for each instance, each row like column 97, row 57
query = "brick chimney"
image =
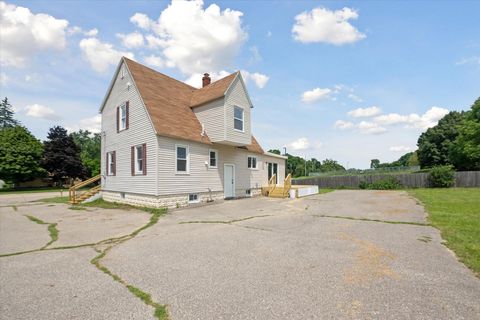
column 206, row 80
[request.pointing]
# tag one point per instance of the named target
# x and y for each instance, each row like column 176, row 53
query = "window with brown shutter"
column 114, row 157
column 139, row 159
column 118, row 119
column 132, row 162
column 144, row 156
column 127, row 112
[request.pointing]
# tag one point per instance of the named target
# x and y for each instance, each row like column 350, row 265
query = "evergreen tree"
column 20, row 155
column 6, row 115
column 61, row 156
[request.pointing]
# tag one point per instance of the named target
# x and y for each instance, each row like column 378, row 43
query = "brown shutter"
column 127, row 115
column 106, row 164
column 114, row 160
column 118, row 120
column 144, row 156
column 133, row 160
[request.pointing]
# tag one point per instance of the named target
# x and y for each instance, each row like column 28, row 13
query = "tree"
column 6, row 115
column 374, row 163
column 434, row 144
column 89, row 144
column 20, row 155
column 61, row 156
column 465, row 152
column 331, row 165
column 275, row 151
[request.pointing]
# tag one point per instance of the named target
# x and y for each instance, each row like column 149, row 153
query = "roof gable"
column 213, row 91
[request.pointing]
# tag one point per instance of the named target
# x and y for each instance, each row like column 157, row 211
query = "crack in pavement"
column 224, row 221
column 373, row 220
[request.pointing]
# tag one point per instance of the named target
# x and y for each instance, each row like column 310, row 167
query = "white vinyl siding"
column 201, row 178
column 140, row 131
column 212, row 116
column 237, row 97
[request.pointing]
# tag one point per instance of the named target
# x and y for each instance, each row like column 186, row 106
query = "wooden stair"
column 275, row 191
column 76, row 196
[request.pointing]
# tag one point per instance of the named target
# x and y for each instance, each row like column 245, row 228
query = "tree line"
column 62, row 157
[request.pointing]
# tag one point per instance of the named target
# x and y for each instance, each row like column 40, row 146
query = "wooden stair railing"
column 75, row 196
column 272, row 183
column 287, row 185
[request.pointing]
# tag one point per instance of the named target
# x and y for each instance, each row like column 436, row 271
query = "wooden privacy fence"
column 409, row 180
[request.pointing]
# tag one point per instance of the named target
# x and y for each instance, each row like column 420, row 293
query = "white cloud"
column 370, row 128
column 323, row 25
column 92, row 124
column 471, row 60
column 300, row 144
column 365, row 112
column 41, row 112
column 256, row 56
column 259, row 79
column 131, row 40
column 154, row 61
column 194, row 39
column 3, row 79
column 33, row 77
column 400, row 149
column 23, row 34
column 101, row 55
column 316, row 94
column 354, row 97
column 427, row 120
column 77, row 30
column 343, row 125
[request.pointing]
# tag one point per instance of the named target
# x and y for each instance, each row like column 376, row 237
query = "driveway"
column 341, row 255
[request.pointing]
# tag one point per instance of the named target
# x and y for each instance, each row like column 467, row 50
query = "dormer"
column 223, row 108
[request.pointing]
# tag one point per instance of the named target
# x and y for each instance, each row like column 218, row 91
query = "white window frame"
column 187, row 159
column 122, row 117
column 136, row 159
column 242, row 119
column 216, row 159
column 256, row 162
column 197, row 200
column 109, row 163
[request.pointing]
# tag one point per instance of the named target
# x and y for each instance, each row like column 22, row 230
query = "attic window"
column 238, row 118
column 122, row 72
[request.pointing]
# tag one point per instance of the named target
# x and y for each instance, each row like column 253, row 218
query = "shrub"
column 441, row 177
column 389, row 183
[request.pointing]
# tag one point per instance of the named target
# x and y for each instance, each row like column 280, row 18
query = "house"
column 165, row 143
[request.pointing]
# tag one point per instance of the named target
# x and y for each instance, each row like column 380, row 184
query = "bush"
column 441, row 177
column 389, row 183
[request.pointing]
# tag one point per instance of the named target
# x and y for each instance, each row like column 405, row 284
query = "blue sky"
column 350, row 81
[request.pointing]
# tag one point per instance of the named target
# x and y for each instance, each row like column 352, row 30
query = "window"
column 238, row 118
column 213, row 158
column 181, row 159
column 193, row 198
column 122, row 116
column 139, row 160
column 122, row 72
column 252, row 162
column 248, row 192
column 111, row 163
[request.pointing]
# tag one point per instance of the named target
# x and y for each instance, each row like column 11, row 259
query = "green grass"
column 100, row 203
column 456, row 213
column 52, row 229
column 54, row 200
column 322, row 191
column 18, row 191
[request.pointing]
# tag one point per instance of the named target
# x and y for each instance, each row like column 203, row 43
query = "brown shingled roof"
column 213, row 91
column 168, row 102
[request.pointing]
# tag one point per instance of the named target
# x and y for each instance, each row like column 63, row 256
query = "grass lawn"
column 456, row 213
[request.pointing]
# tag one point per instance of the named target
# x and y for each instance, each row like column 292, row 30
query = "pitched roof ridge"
column 160, row 73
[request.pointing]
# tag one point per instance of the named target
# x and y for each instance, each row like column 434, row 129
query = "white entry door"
column 229, row 180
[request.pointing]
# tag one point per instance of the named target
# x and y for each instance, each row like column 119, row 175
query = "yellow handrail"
column 287, row 185
column 72, row 191
column 271, row 183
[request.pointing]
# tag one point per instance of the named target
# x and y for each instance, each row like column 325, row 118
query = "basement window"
column 193, row 198
column 248, row 192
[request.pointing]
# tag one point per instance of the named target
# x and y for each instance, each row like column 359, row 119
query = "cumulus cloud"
column 365, row 112
column 300, row 144
column 316, row 95
column 23, row 34
column 354, row 97
column 131, row 40
column 195, row 80
column 370, row 128
column 400, row 149
column 259, row 79
column 41, row 112
column 343, row 125
column 427, row 120
column 3, row 79
column 194, row 39
column 154, row 61
column 101, row 55
column 77, row 30
column 92, row 124
column 323, row 25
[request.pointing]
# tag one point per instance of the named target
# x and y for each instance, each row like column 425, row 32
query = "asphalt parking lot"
column 340, row 255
